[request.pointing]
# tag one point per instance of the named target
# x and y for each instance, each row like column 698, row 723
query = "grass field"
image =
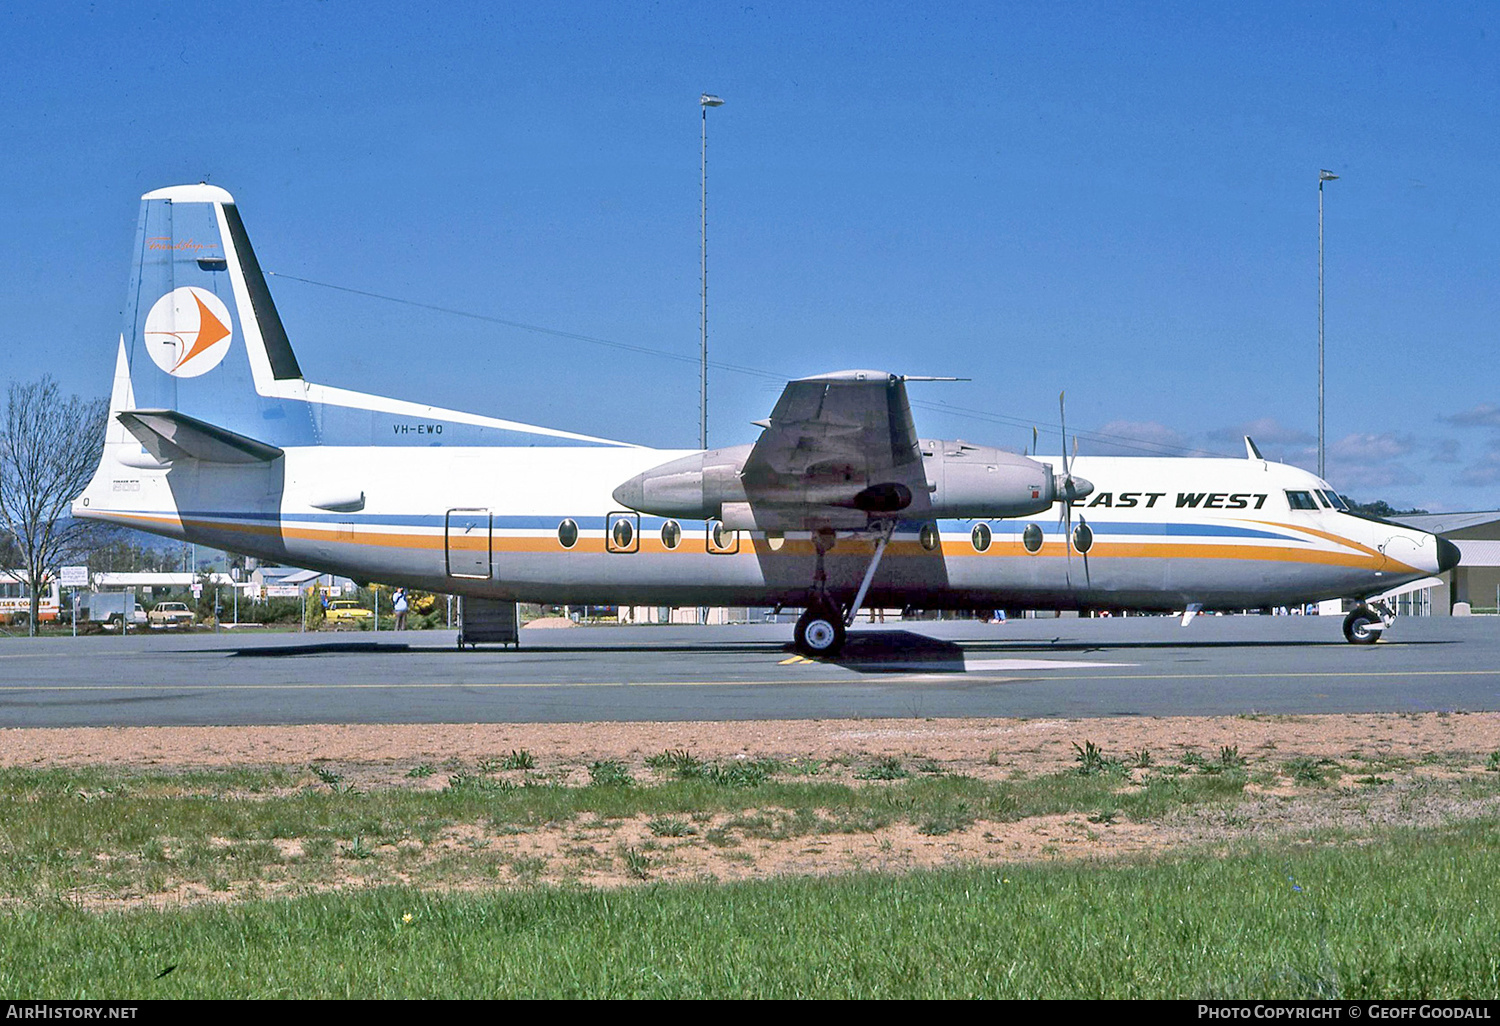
column 293, row 882
column 1413, row 915
column 94, row 833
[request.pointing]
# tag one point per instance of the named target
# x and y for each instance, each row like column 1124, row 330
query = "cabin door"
column 468, row 543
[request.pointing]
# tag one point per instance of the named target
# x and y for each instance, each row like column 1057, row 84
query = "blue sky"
column 1115, row 199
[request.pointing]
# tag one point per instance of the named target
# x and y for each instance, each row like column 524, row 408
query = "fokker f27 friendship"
column 215, row 437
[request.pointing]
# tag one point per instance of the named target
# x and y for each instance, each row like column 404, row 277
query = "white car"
column 172, row 614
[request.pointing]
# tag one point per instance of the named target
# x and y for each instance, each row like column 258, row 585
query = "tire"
column 1358, row 629
column 819, row 633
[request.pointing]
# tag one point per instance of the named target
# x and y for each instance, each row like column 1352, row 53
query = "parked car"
column 347, row 613
column 172, row 614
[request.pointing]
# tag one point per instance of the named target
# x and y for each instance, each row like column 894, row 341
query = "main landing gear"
column 821, row 629
column 1366, row 622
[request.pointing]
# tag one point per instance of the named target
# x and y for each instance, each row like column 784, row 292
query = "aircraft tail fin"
column 202, row 339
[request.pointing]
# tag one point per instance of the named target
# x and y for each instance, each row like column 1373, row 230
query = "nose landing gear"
column 1367, row 622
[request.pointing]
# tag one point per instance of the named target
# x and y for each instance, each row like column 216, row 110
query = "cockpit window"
column 1323, row 498
column 1301, row 500
column 1334, row 499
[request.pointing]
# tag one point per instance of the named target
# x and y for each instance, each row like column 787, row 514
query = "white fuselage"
column 493, row 522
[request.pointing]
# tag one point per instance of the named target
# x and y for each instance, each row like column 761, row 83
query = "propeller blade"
column 1087, row 578
column 1068, row 548
column 1065, row 521
column 1062, row 416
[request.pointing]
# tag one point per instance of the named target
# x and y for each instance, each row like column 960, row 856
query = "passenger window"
column 981, row 537
column 929, row 537
column 1301, row 500
column 721, row 541
column 624, row 534
column 1032, row 538
column 1083, row 538
column 567, row 534
column 671, row 534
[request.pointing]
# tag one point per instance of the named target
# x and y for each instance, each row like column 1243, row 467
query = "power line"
column 486, row 318
column 1122, row 441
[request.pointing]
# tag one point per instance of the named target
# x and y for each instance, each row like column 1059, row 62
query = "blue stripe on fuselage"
column 549, row 523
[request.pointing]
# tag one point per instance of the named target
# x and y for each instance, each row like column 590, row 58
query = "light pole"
column 1323, row 176
column 705, row 101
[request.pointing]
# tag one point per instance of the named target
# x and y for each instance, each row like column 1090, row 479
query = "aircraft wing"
column 843, row 439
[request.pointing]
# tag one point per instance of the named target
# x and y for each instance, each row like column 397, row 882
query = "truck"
column 108, row 607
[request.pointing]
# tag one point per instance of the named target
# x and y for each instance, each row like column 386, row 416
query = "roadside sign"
column 197, row 590
column 74, row 577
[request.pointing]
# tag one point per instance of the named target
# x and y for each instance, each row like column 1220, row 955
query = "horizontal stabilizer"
column 169, row 436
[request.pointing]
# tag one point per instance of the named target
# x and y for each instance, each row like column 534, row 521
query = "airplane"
column 215, row 437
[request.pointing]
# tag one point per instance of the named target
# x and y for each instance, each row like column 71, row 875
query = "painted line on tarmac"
column 413, row 686
column 853, row 679
column 1037, row 664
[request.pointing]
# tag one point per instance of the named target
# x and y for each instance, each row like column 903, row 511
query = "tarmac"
column 1051, row 668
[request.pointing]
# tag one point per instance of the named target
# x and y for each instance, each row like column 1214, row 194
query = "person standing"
column 400, row 607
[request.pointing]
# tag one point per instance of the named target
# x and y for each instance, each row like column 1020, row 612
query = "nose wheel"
column 1364, row 626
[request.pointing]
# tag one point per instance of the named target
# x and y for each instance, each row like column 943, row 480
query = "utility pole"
column 705, row 101
column 1323, row 176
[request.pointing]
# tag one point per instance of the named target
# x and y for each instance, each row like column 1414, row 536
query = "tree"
column 131, row 552
column 1381, row 508
column 49, row 448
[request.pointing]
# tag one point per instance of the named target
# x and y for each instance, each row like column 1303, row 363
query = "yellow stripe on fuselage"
column 501, row 543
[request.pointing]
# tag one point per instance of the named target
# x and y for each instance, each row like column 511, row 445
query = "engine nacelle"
column 691, row 488
column 975, row 481
column 961, row 481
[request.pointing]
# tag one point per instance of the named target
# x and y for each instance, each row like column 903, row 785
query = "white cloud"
column 1265, row 431
column 1483, row 415
column 1483, row 472
column 1352, row 476
column 1367, row 448
column 1134, row 438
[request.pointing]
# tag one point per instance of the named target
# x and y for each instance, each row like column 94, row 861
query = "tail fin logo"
column 187, row 332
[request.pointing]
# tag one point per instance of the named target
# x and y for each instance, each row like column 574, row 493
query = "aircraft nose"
column 1448, row 555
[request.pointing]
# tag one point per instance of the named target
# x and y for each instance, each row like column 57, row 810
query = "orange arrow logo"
column 210, row 330
column 179, row 346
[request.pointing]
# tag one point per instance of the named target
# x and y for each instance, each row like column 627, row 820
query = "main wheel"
column 1359, row 626
column 819, row 632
